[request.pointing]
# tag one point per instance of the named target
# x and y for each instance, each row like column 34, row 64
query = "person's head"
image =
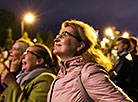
column 18, row 49
column 133, row 41
column 77, row 38
column 123, row 45
column 36, row 56
column 73, row 39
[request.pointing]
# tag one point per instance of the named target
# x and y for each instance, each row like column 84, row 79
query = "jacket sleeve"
column 35, row 91
column 99, row 87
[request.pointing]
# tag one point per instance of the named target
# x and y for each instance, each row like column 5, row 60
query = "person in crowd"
column 82, row 62
column 33, row 83
column 133, row 81
column 13, row 63
column 134, row 46
column 123, row 64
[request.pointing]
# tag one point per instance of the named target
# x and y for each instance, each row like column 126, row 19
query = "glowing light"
column 29, row 17
column 113, row 27
column 112, row 37
column 117, row 32
column 109, row 32
column 129, row 57
column 106, row 40
column 125, row 34
column 35, row 40
column 102, row 44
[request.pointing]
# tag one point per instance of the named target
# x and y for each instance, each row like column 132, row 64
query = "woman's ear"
column 81, row 46
column 40, row 61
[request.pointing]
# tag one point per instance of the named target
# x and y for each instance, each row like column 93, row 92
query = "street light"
column 29, row 18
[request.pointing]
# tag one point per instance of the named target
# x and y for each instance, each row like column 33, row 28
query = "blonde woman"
column 75, row 45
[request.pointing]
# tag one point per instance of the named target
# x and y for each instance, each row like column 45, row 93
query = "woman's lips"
column 58, row 44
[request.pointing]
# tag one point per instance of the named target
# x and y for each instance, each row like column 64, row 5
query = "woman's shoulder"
column 45, row 75
column 92, row 68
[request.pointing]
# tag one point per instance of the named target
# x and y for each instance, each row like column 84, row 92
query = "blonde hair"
column 87, row 34
column 24, row 44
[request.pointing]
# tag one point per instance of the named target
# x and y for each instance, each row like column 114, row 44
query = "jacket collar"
column 123, row 54
column 70, row 64
column 74, row 61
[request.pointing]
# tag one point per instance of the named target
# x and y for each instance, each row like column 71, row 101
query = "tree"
column 7, row 19
column 9, row 42
column 48, row 39
column 39, row 38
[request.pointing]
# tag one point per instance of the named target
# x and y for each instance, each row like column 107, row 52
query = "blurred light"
column 109, row 31
column 34, row 40
column 102, row 44
column 113, row 27
column 112, row 37
column 125, row 34
column 114, row 52
column 106, row 40
column 129, row 57
column 117, row 32
column 97, row 32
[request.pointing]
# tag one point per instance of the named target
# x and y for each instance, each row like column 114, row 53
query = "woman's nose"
column 57, row 39
column 10, row 50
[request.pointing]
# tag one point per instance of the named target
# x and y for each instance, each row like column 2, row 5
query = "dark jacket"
column 122, row 69
column 133, row 78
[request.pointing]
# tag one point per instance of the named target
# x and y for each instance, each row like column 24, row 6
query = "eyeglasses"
column 26, row 52
column 64, row 34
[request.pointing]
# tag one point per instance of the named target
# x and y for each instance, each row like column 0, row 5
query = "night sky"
column 98, row 13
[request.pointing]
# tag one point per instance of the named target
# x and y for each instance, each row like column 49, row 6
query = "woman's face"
column 15, row 52
column 30, row 60
column 66, row 45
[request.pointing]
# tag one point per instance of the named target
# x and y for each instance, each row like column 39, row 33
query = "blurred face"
column 30, row 59
column 121, row 47
column 16, row 51
column 132, row 46
column 65, row 44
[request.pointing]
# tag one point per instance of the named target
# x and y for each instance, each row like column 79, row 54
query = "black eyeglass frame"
column 71, row 36
column 32, row 53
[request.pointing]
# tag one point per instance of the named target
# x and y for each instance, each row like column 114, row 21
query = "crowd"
column 74, row 71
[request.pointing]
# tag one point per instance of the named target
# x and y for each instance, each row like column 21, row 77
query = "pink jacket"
column 65, row 87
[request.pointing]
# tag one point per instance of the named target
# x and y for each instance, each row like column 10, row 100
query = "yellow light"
column 125, row 34
column 29, row 18
column 102, row 44
column 109, row 32
column 117, row 32
column 35, row 40
column 129, row 57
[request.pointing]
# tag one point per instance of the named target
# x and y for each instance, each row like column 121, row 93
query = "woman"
column 76, row 46
column 15, row 53
column 14, row 63
column 32, row 85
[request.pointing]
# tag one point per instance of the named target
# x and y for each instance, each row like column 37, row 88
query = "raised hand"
column 7, row 78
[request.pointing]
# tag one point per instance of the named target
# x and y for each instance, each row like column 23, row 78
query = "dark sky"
column 98, row 13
